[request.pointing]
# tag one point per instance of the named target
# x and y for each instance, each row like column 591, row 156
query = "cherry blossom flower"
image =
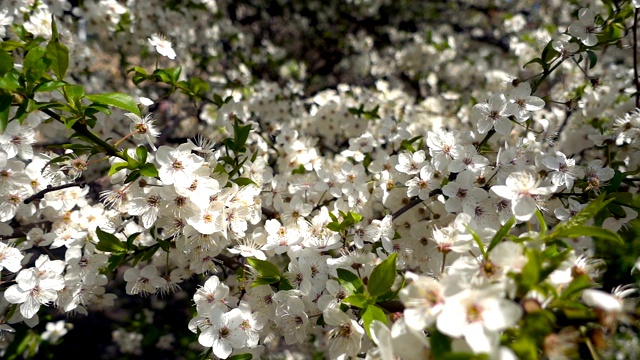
column 478, row 316
column 145, row 281
column 225, row 332
column 143, row 128
column 522, row 103
column 346, row 337
column 163, row 46
column 17, row 140
column 521, row 188
column 411, row 163
column 492, row 114
column 10, row 258
column 585, row 28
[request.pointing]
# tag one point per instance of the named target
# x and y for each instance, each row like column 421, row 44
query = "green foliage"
column 370, row 313
column 382, row 276
column 119, row 100
column 109, row 242
column 350, row 281
column 348, row 219
column 57, row 53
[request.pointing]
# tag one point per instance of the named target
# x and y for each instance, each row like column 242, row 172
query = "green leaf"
column 108, row 242
column 614, row 184
column 264, row 268
column 354, row 217
column 548, row 53
column 582, row 216
column 357, row 300
column 382, row 276
column 504, row 230
column 242, row 134
column 541, row 223
column 5, row 106
column 241, row 357
column 593, row 231
column 373, row 312
column 351, row 282
column 131, row 239
column 6, row 62
column 284, row 284
column 217, row 99
column 334, row 226
column 49, row 85
column 74, row 94
column 576, row 286
column 299, row 170
column 34, row 65
column 478, row 241
column 119, row 100
column 58, row 55
column 243, row 181
column 440, row 344
column 141, row 154
column 535, row 61
column 593, row 58
column 148, row 170
column 117, row 166
column 530, row 274
column 10, row 81
column 133, row 176
column 265, row 280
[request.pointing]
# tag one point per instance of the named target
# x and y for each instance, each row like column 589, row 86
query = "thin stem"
column 635, row 56
column 84, row 131
column 545, row 74
column 40, row 194
column 117, row 143
column 486, row 139
column 592, row 349
column 414, row 201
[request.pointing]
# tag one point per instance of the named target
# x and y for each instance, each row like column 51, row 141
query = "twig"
column 40, row 194
column 414, row 201
column 83, row 130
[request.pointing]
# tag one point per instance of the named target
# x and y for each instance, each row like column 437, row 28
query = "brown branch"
column 40, row 194
column 414, row 201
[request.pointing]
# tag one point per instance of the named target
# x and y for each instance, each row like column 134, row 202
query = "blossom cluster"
column 356, row 219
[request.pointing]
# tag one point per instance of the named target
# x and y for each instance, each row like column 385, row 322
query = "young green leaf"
column 148, row 170
column 141, row 154
column 582, row 216
column 593, row 231
column 58, row 55
column 383, row 276
column 108, row 242
column 357, row 300
column 373, row 312
column 34, row 65
column 504, row 230
column 117, row 166
column 245, row 356
column 5, row 105
column 6, row 62
column 351, row 282
column 119, row 100
column 264, row 268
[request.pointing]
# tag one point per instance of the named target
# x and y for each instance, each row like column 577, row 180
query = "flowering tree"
column 249, row 179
